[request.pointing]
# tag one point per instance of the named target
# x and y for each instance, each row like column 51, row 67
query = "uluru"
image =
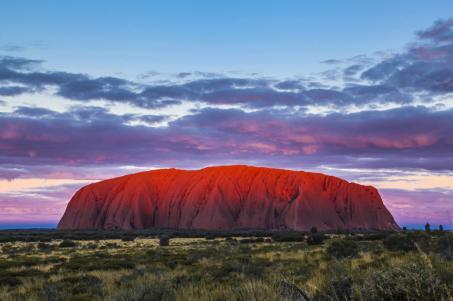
column 227, row 197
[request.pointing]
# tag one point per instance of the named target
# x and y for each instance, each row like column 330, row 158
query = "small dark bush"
column 428, row 228
column 288, row 236
column 316, row 239
column 10, row 281
column 164, row 241
column 313, row 230
column 343, row 288
column 91, row 246
column 344, row 248
column 67, row 244
column 157, row 290
column 405, row 281
column 128, row 238
column 100, row 262
column 251, row 240
column 246, row 241
column 445, row 246
column 84, row 287
column 111, row 245
column 11, row 278
column 45, row 246
column 259, row 239
column 337, row 283
column 398, row 242
column 371, row 236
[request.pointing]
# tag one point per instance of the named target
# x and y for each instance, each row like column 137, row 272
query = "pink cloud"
column 419, row 206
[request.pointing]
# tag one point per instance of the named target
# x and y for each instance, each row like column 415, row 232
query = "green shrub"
column 91, row 246
column 316, row 239
column 85, row 287
column 405, row 281
column 336, row 283
column 288, row 236
column 428, row 228
column 344, row 248
column 9, row 281
column 44, row 246
column 159, row 290
column 98, row 262
column 13, row 277
column 371, row 236
column 66, row 243
column 164, row 241
column 290, row 291
column 445, row 246
column 399, row 242
column 251, row 240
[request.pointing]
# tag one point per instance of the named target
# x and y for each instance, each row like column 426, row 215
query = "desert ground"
column 248, row 265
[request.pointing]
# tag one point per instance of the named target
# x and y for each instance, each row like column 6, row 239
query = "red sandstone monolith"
column 227, row 197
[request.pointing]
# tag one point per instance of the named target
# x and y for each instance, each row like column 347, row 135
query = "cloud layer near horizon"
column 393, row 113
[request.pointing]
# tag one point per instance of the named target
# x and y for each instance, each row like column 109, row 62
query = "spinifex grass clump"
column 343, row 248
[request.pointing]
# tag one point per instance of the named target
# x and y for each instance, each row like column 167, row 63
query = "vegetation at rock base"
column 222, row 265
column 343, row 248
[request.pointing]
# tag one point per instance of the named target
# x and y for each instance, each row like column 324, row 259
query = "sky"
column 356, row 89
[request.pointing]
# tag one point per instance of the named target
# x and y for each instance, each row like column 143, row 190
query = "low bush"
column 316, row 239
column 91, row 246
column 399, row 242
column 13, row 277
column 343, row 248
column 150, row 290
column 405, row 281
column 9, row 281
column 371, row 236
column 85, row 287
column 66, row 243
column 445, row 246
column 164, row 241
column 231, row 239
column 44, row 246
column 98, row 262
column 289, row 236
column 337, row 283
column 251, row 240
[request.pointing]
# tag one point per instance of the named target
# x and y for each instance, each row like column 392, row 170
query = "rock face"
column 227, row 197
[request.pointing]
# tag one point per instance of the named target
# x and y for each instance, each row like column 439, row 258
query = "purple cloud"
column 406, row 137
column 35, row 205
column 426, row 66
column 420, row 206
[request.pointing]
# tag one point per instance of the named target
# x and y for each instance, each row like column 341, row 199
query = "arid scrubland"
column 274, row 266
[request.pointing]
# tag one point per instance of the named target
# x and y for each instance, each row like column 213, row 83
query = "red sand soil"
column 227, row 197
